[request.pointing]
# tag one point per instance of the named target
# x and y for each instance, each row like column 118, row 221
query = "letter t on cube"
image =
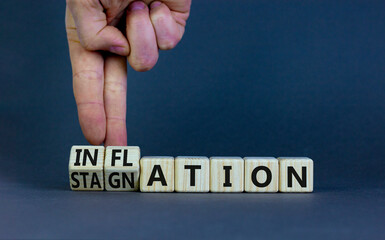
column 192, row 174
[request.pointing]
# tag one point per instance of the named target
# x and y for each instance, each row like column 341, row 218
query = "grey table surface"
column 250, row 78
column 58, row 213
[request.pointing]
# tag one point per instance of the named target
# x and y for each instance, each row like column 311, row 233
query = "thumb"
column 93, row 30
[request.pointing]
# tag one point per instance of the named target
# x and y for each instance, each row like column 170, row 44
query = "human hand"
column 99, row 78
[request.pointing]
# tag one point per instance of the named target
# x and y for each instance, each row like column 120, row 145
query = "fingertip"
column 116, row 41
column 166, row 28
column 108, row 39
column 116, row 133
column 143, row 63
column 94, row 141
column 168, row 43
column 120, row 50
column 95, row 136
column 155, row 4
column 137, row 5
column 141, row 37
column 93, row 125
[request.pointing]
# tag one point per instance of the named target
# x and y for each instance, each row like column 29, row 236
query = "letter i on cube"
column 86, row 168
column 226, row 174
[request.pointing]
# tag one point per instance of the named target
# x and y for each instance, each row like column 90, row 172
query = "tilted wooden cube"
column 121, row 168
column 296, row 174
column 192, row 174
column 86, row 168
column 261, row 174
column 226, row 174
column 157, row 174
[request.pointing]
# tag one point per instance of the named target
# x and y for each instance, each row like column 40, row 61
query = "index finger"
column 88, row 80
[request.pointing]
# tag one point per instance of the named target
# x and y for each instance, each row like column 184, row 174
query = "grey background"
column 250, row 78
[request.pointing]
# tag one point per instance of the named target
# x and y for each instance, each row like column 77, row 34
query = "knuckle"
column 88, row 75
column 72, row 35
column 115, row 87
column 87, row 44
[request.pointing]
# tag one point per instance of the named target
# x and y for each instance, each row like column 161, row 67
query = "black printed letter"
column 116, row 183
column 291, row 171
column 161, row 178
column 84, row 174
column 77, row 162
column 77, row 183
column 125, row 179
column 192, row 173
column 92, row 159
column 95, row 181
column 114, row 157
column 227, row 182
column 254, row 176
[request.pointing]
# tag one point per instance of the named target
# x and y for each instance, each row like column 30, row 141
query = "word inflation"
column 122, row 169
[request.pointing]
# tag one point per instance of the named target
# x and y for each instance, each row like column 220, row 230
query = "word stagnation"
column 122, row 169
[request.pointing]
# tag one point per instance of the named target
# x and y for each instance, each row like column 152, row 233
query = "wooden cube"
column 192, row 174
column 226, row 174
column 261, row 174
column 86, row 168
column 157, row 174
column 121, row 168
column 296, row 174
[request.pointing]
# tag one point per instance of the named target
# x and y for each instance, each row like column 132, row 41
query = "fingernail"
column 155, row 4
column 118, row 50
column 138, row 5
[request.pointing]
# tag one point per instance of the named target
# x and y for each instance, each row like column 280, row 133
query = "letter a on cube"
column 121, row 168
column 295, row 174
column 86, row 168
column 157, row 174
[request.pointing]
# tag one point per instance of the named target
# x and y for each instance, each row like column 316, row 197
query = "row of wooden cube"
column 122, row 169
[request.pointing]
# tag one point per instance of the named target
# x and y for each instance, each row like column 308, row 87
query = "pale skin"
column 98, row 51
